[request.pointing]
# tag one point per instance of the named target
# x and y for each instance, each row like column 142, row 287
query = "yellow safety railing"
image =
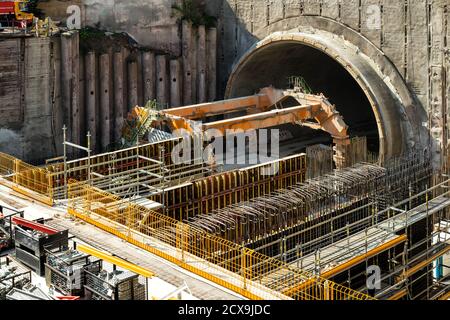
column 26, row 179
column 6, row 164
column 232, row 266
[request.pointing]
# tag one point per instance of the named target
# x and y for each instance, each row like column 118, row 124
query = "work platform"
column 346, row 253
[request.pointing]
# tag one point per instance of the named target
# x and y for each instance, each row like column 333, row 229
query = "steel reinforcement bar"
column 264, row 221
column 261, row 217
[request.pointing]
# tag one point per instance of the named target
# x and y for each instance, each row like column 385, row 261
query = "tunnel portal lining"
column 329, row 65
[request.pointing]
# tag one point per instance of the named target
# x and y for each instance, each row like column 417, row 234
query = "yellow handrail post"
column 179, row 239
column 50, row 186
column 186, row 239
column 89, row 199
column 326, row 290
column 129, row 220
column 16, row 170
column 69, row 198
column 243, row 271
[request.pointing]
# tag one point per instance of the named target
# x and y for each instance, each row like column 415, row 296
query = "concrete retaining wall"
column 29, row 99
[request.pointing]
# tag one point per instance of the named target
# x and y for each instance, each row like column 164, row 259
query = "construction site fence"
column 29, row 180
column 230, row 265
column 113, row 162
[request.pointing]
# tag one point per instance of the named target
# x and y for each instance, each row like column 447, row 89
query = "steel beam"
column 423, row 264
column 399, row 295
column 34, row 225
column 266, row 119
column 200, row 111
column 115, row 261
column 357, row 260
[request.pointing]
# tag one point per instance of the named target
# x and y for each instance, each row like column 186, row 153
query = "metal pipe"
column 65, row 161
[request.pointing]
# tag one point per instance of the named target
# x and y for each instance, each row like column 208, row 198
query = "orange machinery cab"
column 15, row 12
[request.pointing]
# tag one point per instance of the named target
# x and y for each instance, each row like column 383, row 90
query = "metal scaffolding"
column 277, row 223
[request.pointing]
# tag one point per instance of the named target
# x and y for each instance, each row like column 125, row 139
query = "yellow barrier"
column 232, row 266
column 31, row 181
column 115, row 261
column 6, row 164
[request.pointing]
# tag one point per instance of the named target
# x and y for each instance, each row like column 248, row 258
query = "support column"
column 175, row 83
column 187, row 63
column 66, row 79
column 212, row 63
column 132, row 85
column 75, row 91
column 162, row 79
column 140, row 79
column 437, row 95
column 126, row 55
column 105, row 100
column 148, row 61
column 119, row 103
column 201, row 58
column 91, row 97
column 56, row 101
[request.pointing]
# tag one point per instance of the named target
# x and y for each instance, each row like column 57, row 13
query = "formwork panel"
column 216, row 192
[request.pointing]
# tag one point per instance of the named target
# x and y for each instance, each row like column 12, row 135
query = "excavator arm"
column 264, row 110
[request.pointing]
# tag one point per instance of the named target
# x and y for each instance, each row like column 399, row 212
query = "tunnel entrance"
column 274, row 64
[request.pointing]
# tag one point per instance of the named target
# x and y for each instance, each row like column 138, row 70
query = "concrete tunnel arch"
column 331, row 66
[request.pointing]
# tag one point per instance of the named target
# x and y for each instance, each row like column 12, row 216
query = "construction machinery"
column 269, row 108
column 16, row 13
column 44, row 28
column 5, row 237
